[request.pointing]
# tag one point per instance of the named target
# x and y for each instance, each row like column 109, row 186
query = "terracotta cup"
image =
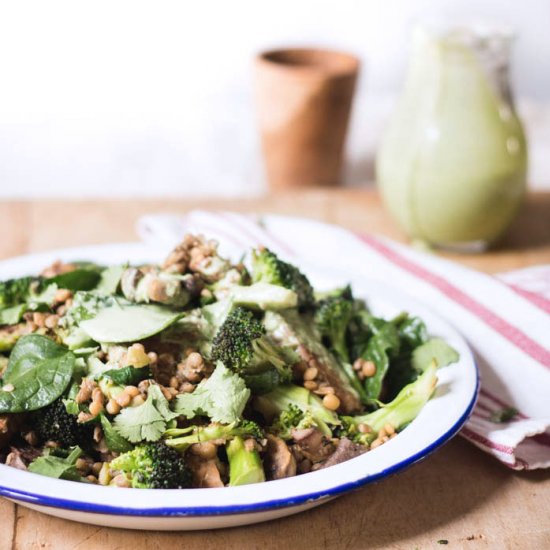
column 304, row 99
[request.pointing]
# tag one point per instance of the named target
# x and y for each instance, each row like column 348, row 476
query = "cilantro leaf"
column 222, row 397
column 146, row 422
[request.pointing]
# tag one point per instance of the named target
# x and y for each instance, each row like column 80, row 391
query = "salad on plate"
column 200, row 372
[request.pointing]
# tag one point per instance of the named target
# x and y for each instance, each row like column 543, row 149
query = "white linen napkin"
column 506, row 319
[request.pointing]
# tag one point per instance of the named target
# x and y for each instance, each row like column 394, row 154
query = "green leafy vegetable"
column 128, row 376
column 78, row 279
column 12, row 315
column 381, row 346
column 115, row 442
column 110, row 279
column 504, row 415
column 222, row 397
column 58, row 467
column 128, row 322
column 146, row 422
column 437, row 349
column 39, row 370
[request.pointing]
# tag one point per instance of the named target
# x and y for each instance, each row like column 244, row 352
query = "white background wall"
column 141, row 98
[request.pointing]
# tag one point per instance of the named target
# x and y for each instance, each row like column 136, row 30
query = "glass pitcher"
column 452, row 164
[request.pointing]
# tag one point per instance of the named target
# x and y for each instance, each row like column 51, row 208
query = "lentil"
column 194, row 360
column 39, row 319
column 311, row 373
column 62, row 295
column 112, row 407
column 331, row 402
column 121, row 481
column 376, row 443
column 132, row 391
column 123, row 399
column 368, row 369
column 51, row 321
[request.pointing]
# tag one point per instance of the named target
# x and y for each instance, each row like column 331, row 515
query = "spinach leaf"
column 381, row 346
column 128, row 376
column 115, row 442
column 57, row 466
column 39, row 371
column 128, row 322
column 412, row 331
column 79, row 279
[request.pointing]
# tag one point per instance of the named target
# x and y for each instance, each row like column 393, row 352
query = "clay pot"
column 304, row 99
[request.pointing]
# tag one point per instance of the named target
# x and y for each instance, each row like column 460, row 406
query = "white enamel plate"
column 185, row 509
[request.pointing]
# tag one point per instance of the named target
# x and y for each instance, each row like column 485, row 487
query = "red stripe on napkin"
column 536, row 299
column 474, row 436
column 505, row 329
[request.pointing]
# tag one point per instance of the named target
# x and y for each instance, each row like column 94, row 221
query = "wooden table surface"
column 459, row 494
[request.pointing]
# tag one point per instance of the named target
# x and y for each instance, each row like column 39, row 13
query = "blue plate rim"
column 204, row 511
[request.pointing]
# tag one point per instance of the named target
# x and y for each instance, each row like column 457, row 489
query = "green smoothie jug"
column 452, row 163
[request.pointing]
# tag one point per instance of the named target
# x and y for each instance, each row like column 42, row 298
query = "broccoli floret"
column 290, row 419
column 332, row 318
column 16, row 291
column 182, row 438
column 153, row 466
column 242, row 345
column 286, row 399
column 54, row 423
column 268, row 268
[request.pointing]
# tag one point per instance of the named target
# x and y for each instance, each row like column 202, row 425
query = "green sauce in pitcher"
column 452, row 164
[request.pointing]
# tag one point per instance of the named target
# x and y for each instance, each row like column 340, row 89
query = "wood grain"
column 459, row 494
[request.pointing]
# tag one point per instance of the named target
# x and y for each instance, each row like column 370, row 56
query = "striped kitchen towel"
column 505, row 319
